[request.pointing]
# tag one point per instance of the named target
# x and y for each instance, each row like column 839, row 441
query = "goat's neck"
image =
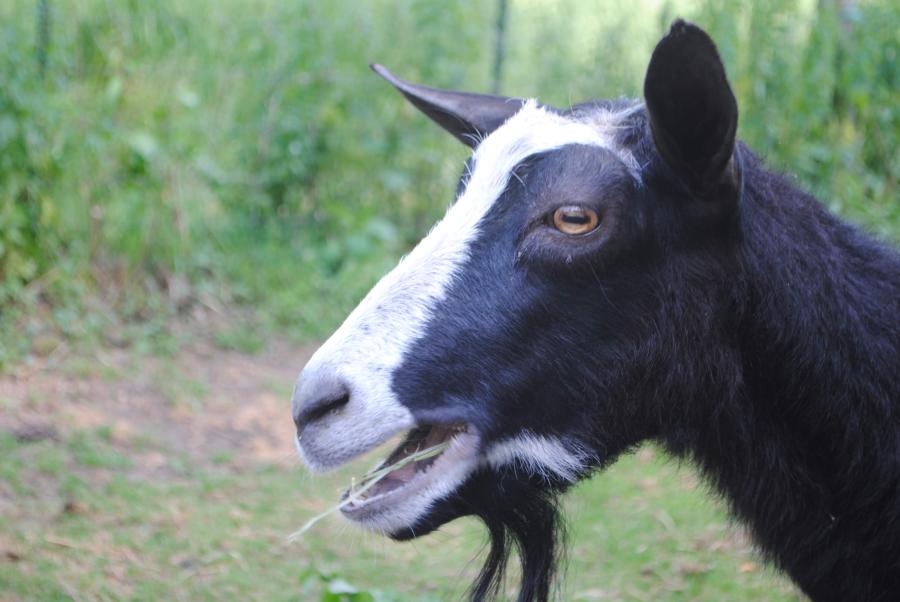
column 801, row 434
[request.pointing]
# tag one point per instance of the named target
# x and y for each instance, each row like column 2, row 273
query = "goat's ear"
column 693, row 112
column 470, row 117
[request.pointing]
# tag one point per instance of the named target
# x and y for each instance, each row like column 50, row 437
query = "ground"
column 206, row 402
column 132, row 476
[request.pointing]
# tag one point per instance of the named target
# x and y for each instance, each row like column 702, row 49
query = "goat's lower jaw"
column 404, row 494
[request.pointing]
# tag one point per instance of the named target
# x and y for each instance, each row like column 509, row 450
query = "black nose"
column 308, row 412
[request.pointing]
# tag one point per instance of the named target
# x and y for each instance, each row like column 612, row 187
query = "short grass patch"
column 77, row 524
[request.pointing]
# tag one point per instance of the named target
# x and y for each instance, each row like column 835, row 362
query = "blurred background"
column 192, row 194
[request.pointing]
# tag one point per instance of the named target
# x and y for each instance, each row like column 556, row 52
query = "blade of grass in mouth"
column 368, row 481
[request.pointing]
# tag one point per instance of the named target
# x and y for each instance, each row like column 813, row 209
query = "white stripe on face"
column 371, row 343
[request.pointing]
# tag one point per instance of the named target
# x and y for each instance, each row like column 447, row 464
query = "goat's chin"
column 443, row 512
column 487, row 492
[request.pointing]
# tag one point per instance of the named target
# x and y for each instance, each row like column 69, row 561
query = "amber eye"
column 575, row 220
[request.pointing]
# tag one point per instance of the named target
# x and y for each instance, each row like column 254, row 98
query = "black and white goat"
column 616, row 273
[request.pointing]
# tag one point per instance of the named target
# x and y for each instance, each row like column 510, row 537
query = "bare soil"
column 206, row 404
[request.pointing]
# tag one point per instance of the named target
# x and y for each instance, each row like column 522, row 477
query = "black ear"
column 693, row 112
column 470, row 117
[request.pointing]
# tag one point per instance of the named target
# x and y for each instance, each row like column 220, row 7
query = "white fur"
column 371, row 343
column 540, row 456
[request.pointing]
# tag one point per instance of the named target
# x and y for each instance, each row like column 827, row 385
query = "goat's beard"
column 531, row 525
column 521, row 515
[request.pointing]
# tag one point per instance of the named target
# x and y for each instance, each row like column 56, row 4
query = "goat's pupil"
column 578, row 219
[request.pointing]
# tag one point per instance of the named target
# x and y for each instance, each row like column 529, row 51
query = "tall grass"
column 157, row 156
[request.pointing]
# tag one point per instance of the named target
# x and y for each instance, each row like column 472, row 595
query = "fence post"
column 42, row 43
column 499, row 45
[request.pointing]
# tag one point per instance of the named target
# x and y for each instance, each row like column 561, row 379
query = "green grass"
column 82, row 525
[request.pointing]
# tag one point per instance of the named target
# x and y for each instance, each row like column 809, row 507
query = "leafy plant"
column 160, row 157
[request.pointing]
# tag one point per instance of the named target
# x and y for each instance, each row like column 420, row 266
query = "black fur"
column 520, row 514
column 718, row 310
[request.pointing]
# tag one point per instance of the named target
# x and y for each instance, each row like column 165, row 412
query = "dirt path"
column 205, row 404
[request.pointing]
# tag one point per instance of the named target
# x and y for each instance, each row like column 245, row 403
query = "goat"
column 615, row 273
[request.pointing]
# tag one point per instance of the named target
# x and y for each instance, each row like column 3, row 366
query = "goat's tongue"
column 391, row 482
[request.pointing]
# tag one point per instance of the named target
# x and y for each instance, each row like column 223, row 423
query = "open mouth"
column 431, row 461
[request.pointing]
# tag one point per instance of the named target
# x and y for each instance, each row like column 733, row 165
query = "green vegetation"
column 160, row 158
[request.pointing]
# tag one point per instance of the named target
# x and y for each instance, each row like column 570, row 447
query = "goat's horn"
column 468, row 116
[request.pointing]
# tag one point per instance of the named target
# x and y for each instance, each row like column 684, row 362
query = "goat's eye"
column 575, row 220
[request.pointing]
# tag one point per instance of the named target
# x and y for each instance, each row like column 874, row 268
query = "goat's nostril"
column 318, row 409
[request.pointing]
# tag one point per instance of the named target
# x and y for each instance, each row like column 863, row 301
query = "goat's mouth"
column 431, row 462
